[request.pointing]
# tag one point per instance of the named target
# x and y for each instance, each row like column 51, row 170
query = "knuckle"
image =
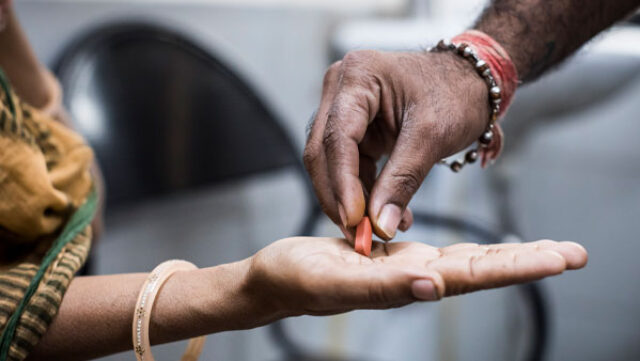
column 359, row 57
column 331, row 139
column 359, row 68
column 334, row 68
column 331, row 73
column 407, row 182
column 471, row 265
column 352, row 104
column 352, row 58
column 514, row 262
column 309, row 157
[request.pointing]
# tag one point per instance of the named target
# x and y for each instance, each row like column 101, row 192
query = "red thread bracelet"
column 501, row 65
column 493, row 64
column 505, row 75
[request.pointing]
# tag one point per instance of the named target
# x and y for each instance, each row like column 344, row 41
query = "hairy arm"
column 418, row 108
column 538, row 34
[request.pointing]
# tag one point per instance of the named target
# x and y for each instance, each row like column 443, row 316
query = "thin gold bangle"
column 142, row 313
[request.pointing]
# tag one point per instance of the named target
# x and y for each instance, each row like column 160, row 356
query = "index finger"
column 314, row 155
column 354, row 108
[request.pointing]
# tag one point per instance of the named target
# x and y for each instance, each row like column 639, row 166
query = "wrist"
column 234, row 304
column 205, row 301
column 467, row 86
column 494, row 66
column 243, row 299
column 493, row 63
column 467, row 79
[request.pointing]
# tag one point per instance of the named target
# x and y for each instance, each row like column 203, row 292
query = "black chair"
column 165, row 116
column 170, row 116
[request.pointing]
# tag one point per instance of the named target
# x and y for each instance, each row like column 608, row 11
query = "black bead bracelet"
column 495, row 97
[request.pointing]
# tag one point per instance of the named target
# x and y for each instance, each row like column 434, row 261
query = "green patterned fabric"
column 46, row 207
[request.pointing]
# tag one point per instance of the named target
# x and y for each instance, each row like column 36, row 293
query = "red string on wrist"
column 502, row 67
column 505, row 74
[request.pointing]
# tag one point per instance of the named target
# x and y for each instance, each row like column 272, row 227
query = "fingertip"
column 407, row 220
column 576, row 245
column 351, row 204
column 575, row 254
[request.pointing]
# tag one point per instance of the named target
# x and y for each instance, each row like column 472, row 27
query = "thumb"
column 380, row 286
column 409, row 163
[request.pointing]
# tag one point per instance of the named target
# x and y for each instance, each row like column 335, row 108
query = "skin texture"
column 415, row 107
column 291, row 277
column 419, row 107
column 28, row 77
column 542, row 33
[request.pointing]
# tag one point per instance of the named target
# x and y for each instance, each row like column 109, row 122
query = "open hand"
column 320, row 276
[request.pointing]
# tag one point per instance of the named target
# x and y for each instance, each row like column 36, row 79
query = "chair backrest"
column 164, row 115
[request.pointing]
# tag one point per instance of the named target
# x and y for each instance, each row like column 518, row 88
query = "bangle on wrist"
column 494, row 66
column 144, row 305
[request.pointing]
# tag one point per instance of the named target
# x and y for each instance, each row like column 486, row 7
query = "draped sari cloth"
column 46, row 206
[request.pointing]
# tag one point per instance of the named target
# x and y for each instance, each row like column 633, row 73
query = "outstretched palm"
column 309, row 275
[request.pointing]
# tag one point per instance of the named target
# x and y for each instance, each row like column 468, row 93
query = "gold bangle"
column 142, row 313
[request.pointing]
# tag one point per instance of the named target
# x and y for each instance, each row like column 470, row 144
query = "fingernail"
column 389, row 219
column 343, row 215
column 424, row 290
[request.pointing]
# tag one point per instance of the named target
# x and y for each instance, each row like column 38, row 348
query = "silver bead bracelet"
column 495, row 97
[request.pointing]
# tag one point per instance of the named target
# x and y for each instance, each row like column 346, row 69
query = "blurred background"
column 197, row 110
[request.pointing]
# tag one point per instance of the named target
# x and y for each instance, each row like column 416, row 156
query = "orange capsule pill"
column 363, row 237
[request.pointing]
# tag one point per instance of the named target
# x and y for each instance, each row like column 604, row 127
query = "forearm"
column 538, row 34
column 96, row 314
column 28, row 77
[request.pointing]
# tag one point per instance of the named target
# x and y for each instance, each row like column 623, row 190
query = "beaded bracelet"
column 142, row 313
column 495, row 97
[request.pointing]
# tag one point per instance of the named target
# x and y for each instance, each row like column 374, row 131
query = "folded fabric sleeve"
column 46, row 206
